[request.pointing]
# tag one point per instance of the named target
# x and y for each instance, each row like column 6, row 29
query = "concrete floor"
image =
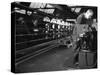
column 60, row 58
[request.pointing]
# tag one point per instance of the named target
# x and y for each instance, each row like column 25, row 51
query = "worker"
column 86, row 19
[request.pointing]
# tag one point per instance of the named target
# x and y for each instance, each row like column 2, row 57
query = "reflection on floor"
column 60, row 58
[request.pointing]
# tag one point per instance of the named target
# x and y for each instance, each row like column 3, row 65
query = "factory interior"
column 53, row 37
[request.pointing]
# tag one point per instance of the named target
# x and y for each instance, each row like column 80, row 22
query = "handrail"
column 27, row 34
column 30, row 41
column 29, row 56
column 18, row 51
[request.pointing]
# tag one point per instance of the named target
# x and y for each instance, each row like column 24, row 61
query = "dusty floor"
column 60, row 58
